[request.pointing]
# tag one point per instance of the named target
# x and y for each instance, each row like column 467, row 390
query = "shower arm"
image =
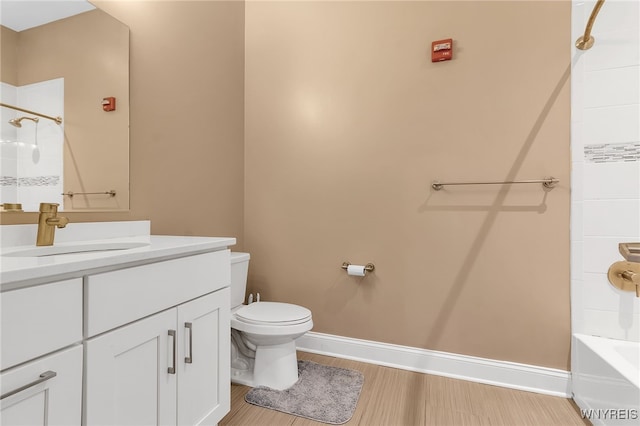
column 58, row 120
column 586, row 41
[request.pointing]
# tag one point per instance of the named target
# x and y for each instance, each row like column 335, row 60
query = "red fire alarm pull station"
column 442, row 50
column 109, row 104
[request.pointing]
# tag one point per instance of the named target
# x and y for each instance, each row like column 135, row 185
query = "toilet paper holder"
column 369, row 267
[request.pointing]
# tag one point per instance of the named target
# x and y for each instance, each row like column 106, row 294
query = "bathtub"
column 605, row 379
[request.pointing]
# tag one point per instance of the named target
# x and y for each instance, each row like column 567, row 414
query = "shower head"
column 16, row 122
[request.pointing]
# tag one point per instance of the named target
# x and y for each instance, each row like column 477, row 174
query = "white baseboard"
column 548, row 381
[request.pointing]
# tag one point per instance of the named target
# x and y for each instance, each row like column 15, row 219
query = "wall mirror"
column 65, row 106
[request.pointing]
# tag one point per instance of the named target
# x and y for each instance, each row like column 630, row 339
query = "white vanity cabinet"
column 41, row 332
column 203, row 364
column 114, row 337
column 168, row 363
column 46, row 391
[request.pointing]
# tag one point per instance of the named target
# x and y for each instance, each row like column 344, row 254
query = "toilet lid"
column 273, row 313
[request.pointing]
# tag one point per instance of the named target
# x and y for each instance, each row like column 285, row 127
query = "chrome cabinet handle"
column 172, row 370
column 42, row 378
column 189, row 359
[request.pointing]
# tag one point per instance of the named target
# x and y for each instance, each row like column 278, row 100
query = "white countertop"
column 18, row 272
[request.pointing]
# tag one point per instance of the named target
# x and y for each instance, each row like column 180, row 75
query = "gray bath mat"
column 322, row 393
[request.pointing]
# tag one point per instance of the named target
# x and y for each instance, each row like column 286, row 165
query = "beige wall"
column 8, row 56
column 346, row 124
column 186, row 135
column 91, row 52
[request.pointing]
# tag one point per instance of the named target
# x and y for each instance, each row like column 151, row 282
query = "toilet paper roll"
column 356, row 270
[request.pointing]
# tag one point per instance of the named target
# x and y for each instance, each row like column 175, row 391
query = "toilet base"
column 275, row 366
column 242, row 377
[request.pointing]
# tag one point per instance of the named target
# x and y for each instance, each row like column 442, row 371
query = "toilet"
column 263, row 349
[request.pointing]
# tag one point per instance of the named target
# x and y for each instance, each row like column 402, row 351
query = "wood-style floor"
column 393, row 397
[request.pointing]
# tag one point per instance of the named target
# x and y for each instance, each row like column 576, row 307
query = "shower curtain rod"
column 58, row 120
column 586, row 41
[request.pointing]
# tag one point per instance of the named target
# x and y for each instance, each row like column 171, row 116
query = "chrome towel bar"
column 549, row 182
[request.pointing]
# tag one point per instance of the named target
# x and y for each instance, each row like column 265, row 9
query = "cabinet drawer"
column 120, row 297
column 38, row 320
column 47, row 391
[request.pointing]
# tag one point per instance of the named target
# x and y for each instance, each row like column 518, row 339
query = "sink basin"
column 73, row 248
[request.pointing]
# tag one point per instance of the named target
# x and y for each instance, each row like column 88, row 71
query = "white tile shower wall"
column 605, row 143
column 598, row 128
column 40, row 167
column 8, row 147
column 8, row 150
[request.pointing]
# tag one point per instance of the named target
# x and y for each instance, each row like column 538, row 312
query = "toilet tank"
column 239, row 270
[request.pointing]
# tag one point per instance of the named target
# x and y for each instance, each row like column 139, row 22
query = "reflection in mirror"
column 74, row 66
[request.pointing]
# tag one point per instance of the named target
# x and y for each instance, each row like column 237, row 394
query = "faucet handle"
column 625, row 276
column 630, row 251
column 58, row 221
column 49, row 207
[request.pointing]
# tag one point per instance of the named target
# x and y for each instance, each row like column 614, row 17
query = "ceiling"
column 24, row 14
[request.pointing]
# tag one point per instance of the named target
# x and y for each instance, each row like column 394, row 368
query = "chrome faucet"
column 48, row 221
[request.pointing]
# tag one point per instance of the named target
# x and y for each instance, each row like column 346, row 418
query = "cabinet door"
column 127, row 377
column 203, row 354
column 47, row 391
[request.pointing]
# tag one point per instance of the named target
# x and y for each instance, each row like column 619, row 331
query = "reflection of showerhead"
column 17, row 121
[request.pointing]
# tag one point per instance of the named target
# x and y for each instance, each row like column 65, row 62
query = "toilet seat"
column 273, row 314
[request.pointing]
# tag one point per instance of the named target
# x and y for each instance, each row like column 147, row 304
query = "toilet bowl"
column 263, row 350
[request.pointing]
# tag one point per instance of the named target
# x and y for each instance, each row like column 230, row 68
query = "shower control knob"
column 625, row 276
